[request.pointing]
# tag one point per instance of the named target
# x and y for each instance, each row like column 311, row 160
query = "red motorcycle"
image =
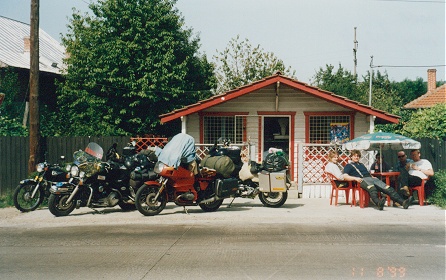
column 181, row 181
column 184, row 188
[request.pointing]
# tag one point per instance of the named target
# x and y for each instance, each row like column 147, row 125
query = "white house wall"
column 290, row 100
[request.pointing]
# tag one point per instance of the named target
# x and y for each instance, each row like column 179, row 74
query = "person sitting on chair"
column 356, row 171
column 379, row 161
column 402, row 161
column 333, row 167
column 414, row 173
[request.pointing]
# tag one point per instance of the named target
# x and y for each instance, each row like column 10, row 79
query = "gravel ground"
column 297, row 211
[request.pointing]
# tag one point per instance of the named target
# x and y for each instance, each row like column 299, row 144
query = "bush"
column 6, row 201
column 439, row 196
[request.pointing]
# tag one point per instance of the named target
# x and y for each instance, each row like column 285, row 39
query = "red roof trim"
column 325, row 95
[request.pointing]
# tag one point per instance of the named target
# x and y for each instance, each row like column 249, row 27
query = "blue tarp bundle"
column 181, row 148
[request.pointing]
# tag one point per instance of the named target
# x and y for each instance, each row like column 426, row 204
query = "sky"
column 405, row 37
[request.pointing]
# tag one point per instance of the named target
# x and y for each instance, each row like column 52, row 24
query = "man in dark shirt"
column 356, row 171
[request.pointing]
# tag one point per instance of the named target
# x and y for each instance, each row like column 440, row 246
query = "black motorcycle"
column 96, row 184
column 30, row 193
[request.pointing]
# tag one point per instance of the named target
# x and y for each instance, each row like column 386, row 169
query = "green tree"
column 10, row 109
column 410, row 90
column 240, row 63
column 343, row 82
column 340, row 82
column 427, row 123
column 129, row 62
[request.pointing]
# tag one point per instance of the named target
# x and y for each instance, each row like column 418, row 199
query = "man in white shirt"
column 415, row 172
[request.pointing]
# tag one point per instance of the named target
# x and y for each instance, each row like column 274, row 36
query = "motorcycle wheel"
column 126, row 206
column 273, row 199
column 145, row 201
column 211, row 206
column 22, row 197
column 58, row 207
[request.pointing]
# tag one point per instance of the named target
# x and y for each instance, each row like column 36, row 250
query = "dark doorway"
column 276, row 134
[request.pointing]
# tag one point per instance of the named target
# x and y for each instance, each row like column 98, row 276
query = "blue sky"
column 306, row 35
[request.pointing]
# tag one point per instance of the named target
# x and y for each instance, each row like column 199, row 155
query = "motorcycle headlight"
column 74, row 171
column 40, row 167
column 159, row 166
column 82, row 174
column 68, row 167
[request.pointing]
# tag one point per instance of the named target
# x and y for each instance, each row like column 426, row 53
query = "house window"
column 325, row 129
column 216, row 127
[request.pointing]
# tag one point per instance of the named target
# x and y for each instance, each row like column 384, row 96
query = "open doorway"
column 276, row 134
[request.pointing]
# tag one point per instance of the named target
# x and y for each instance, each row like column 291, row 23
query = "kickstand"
column 97, row 211
column 185, row 210
column 229, row 206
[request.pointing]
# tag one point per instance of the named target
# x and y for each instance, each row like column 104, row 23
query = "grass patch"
column 6, row 201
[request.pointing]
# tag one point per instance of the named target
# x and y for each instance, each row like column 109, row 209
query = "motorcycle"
column 94, row 183
column 181, row 183
column 30, row 193
column 270, row 181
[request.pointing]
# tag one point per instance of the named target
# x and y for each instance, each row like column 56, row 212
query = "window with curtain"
column 216, row 127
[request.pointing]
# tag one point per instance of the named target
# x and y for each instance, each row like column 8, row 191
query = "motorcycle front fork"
column 163, row 186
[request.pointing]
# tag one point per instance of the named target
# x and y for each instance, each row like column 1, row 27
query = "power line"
column 413, row 1
column 407, row 66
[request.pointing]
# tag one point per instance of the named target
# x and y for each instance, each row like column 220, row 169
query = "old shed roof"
column 12, row 47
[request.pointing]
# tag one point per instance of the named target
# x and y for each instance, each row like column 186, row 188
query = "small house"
column 281, row 112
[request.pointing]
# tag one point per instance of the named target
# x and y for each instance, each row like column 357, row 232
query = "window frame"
column 308, row 115
column 202, row 116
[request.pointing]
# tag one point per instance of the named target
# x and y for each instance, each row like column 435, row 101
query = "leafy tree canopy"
column 129, row 62
column 427, row 123
column 241, row 63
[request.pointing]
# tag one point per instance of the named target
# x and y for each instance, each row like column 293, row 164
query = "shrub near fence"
column 14, row 154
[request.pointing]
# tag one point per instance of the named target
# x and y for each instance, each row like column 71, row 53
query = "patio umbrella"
column 382, row 141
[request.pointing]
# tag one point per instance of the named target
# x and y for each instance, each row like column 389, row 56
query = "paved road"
column 305, row 239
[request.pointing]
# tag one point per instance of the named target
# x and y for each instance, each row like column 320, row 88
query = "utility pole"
column 372, row 118
column 34, row 135
column 355, row 49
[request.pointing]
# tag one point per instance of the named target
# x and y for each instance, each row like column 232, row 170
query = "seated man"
column 402, row 161
column 379, row 161
column 414, row 173
column 356, row 171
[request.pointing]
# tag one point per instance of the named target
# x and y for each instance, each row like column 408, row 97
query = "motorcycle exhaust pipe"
column 212, row 199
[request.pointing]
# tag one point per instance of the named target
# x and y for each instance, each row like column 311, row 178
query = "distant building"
column 15, row 54
column 433, row 96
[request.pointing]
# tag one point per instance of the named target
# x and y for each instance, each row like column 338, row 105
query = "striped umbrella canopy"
column 382, row 141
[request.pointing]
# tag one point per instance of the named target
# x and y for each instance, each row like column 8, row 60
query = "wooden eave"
column 381, row 116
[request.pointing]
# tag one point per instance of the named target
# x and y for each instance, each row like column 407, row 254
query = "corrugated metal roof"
column 431, row 98
column 12, row 34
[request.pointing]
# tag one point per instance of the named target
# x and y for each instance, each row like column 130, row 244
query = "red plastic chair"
column 348, row 186
column 364, row 197
column 420, row 190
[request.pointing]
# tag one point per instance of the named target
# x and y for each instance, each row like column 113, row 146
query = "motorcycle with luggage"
column 270, row 180
column 181, row 181
column 186, row 183
column 30, row 193
column 95, row 183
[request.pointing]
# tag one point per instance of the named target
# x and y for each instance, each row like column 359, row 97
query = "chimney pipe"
column 26, row 44
column 431, row 79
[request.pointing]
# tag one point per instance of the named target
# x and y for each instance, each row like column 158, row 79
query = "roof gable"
column 429, row 99
column 12, row 34
column 382, row 117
